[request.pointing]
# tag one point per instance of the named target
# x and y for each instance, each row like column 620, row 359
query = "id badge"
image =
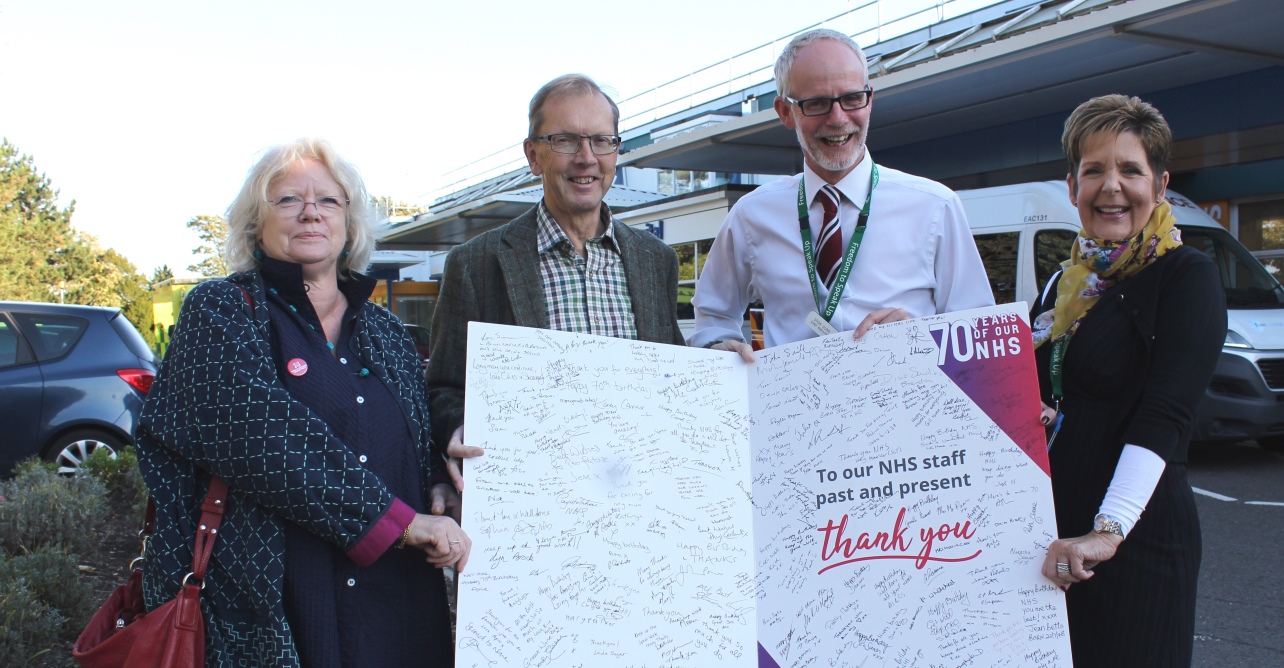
column 819, row 325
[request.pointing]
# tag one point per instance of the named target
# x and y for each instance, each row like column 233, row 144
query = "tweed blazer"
column 218, row 406
column 495, row 278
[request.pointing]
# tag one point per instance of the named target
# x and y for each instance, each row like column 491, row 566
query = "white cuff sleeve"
column 1136, row 475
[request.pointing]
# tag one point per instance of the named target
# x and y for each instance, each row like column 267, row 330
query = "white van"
column 1024, row 231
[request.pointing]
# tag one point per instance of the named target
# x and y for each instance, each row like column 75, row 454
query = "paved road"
column 1240, row 615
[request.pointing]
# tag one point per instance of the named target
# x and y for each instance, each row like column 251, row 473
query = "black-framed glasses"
column 565, row 143
column 293, row 205
column 819, row 106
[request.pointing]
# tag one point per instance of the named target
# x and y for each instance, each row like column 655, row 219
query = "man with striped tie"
column 846, row 244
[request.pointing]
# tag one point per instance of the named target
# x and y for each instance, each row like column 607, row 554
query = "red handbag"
column 123, row 634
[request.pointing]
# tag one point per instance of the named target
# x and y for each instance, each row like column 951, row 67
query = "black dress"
column 1134, row 373
column 393, row 612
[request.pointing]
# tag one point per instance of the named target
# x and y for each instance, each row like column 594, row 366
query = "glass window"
column 690, row 263
column 1273, row 263
column 702, row 251
column 686, row 279
column 999, row 254
column 52, row 336
column 682, row 181
column 664, row 181
column 1051, row 248
column 1261, row 230
column 415, row 309
column 135, row 341
column 1248, row 284
column 420, row 335
column 686, row 261
column 1261, row 225
column 8, row 345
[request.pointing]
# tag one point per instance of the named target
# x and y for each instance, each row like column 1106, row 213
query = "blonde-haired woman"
column 309, row 400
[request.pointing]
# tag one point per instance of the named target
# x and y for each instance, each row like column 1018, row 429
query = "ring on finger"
column 1063, row 567
column 454, row 542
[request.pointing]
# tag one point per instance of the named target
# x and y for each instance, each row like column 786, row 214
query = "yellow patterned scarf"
column 1096, row 265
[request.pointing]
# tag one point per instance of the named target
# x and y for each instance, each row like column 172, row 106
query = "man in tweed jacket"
column 566, row 264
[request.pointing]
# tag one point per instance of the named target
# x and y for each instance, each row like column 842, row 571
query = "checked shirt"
column 588, row 295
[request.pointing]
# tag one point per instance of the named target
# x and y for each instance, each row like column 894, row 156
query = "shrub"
column 26, row 624
column 53, row 577
column 126, row 492
column 31, row 464
column 42, row 508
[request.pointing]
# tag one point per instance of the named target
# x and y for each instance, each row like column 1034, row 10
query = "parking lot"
column 1240, row 615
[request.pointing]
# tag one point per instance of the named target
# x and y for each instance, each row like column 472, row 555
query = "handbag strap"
column 207, row 531
column 212, row 509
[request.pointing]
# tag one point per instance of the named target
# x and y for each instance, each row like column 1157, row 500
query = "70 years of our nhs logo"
column 978, row 338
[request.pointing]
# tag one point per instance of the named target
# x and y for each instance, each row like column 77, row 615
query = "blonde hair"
column 246, row 214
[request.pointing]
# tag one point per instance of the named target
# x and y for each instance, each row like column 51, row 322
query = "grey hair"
column 250, row 208
column 567, row 84
column 786, row 60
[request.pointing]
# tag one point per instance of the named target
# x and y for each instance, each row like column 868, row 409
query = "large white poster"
column 902, row 502
column 881, row 502
column 610, row 514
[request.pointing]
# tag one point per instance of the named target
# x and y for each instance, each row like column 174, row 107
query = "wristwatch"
column 1106, row 524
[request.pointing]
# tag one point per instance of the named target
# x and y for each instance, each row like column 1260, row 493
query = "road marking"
column 1263, row 503
column 1214, row 495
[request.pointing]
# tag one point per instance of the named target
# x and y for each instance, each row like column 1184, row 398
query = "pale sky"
column 150, row 112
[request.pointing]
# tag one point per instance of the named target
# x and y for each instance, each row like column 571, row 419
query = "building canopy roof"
column 1044, row 59
column 1011, row 62
column 443, row 229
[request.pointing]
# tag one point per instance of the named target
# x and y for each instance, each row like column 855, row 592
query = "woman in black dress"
column 309, row 400
column 1127, row 335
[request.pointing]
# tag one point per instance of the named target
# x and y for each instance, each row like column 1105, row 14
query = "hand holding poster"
column 900, row 511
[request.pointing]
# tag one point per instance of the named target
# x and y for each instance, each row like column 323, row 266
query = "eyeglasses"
column 819, row 106
column 293, row 205
column 564, row 143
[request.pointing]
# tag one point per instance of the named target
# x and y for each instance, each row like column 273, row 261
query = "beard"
column 833, row 158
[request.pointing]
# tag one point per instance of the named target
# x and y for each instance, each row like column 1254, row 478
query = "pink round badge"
column 296, row 366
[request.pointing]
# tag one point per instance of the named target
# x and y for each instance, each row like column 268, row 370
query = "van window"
column 999, row 255
column 1051, row 248
column 1248, row 285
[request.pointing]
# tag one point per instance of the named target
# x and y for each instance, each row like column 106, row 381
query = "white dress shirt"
column 917, row 254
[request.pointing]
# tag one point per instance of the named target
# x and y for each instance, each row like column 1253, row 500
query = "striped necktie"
column 830, row 243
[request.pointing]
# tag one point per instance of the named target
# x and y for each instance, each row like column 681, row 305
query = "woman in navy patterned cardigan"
column 309, row 400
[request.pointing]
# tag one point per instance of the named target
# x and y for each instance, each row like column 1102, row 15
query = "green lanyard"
column 1055, row 372
column 849, row 258
column 1054, row 368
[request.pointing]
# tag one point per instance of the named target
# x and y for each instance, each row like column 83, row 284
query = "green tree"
column 133, row 291
column 212, row 231
column 25, row 191
column 161, row 273
column 44, row 258
column 34, row 232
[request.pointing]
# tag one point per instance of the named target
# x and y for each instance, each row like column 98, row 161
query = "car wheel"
column 73, row 448
column 1272, row 443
